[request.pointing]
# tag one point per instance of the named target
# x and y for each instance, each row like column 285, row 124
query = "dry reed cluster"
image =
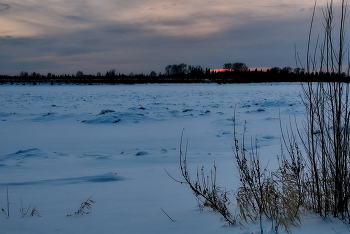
column 314, row 164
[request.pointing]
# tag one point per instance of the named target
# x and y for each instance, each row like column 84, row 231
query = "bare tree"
column 227, row 66
column 239, row 67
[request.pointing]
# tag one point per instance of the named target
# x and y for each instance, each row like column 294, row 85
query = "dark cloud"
column 84, row 35
column 72, row 18
column 4, row 7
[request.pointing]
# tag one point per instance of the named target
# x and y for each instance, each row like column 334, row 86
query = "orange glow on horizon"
column 250, row 68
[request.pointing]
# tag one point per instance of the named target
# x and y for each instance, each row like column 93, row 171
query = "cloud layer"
column 145, row 35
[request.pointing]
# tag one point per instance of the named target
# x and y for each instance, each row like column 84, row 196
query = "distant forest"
column 181, row 73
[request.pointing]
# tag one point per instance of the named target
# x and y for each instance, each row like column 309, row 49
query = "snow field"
column 59, row 145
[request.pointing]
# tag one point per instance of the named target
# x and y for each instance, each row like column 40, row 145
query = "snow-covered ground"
column 60, row 145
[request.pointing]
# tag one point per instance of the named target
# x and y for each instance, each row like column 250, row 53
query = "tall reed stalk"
column 325, row 133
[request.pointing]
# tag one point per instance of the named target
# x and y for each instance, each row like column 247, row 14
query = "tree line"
column 180, row 73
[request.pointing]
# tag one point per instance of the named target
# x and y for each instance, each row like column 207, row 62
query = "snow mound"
column 141, row 153
column 106, row 111
column 26, row 154
column 116, row 117
column 107, row 177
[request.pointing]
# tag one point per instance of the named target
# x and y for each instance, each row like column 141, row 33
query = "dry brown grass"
column 275, row 195
column 205, row 188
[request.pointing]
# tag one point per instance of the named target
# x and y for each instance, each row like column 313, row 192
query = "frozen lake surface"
column 60, row 145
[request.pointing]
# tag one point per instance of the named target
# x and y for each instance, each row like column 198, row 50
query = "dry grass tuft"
column 85, row 207
column 205, row 188
column 274, row 195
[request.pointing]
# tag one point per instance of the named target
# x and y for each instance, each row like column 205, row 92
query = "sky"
column 140, row 36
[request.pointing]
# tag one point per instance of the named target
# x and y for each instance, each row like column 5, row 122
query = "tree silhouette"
column 79, row 74
column 24, row 74
column 176, row 69
column 227, row 66
column 239, row 67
